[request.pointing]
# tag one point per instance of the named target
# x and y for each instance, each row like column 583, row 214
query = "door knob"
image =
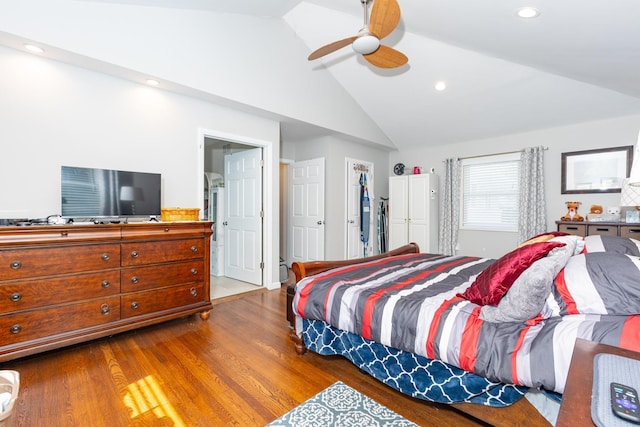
column 320, row 222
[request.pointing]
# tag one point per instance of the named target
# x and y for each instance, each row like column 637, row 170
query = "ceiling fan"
column 385, row 16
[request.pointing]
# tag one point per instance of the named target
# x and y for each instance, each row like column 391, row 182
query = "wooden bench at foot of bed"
column 521, row 413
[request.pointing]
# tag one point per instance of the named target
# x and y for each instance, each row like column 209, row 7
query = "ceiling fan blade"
column 385, row 16
column 331, row 47
column 386, row 57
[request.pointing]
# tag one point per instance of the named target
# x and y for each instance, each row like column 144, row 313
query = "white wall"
column 190, row 47
column 53, row 114
column 582, row 136
column 335, row 150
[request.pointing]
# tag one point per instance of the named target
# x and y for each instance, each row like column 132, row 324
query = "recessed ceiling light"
column 528, row 12
column 440, row 86
column 33, row 48
column 152, row 82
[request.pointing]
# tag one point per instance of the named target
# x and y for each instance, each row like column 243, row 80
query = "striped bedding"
column 411, row 303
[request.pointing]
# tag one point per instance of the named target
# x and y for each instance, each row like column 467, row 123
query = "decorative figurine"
column 572, row 214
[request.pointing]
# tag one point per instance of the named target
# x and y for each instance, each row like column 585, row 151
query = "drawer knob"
column 194, row 271
column 135, row 305
column 193, row 292
column 135, row 279
column 135, row 254
column 166, row 230
column 15, row 265
column 106, row 257
column 104, row 309
column 105, row 283
column 194, row 249
column 15, row 329
column 15, row 297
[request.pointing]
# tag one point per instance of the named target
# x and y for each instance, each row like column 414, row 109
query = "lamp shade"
column 634, row 175
column 630, row 194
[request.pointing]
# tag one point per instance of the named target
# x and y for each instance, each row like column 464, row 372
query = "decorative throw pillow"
column 527, row 296
column 543, row 237
column 495, row 280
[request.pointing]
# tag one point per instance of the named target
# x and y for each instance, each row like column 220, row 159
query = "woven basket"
column 180, row 214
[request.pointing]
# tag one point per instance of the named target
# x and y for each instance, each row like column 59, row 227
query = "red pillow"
column 495, row 280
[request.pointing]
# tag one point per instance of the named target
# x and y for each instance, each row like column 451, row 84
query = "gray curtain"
column 533, row 216
column 450, row 208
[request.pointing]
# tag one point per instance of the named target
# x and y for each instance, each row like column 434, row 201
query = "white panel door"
column 243, row 216
column 413, row 211
column 306, row 211
column 354, row 246
column 398, row 211
column 418, row 203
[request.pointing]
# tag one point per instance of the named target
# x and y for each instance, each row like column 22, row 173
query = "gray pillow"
column 526, row 297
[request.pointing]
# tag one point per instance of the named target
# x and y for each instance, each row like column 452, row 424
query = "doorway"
column 213, row 146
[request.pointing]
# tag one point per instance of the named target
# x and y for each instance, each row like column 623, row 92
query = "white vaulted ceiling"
column 578, row 61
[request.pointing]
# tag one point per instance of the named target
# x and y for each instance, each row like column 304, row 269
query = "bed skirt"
column 411, row 374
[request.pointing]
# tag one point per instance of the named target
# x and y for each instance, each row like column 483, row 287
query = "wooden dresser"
column 588, row 228
column 65, row 284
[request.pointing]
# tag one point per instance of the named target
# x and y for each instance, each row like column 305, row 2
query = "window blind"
column 490, row 192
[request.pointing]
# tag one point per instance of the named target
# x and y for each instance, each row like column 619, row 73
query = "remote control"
column 624, row 402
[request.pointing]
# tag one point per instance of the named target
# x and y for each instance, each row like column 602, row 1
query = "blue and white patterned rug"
column 341, row 406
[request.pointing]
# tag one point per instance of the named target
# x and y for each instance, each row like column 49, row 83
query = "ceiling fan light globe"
column 366, row 44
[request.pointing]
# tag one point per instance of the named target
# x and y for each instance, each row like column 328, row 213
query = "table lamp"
column 630, row 194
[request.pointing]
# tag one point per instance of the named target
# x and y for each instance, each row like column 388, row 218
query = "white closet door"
column 413, row 211
column 418, row 209
column 354, row 245
column 306, row 214
column 398, row 211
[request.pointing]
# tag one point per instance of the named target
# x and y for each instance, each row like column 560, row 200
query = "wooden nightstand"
column 575, row 409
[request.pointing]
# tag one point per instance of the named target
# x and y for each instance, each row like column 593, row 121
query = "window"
column 491, row 192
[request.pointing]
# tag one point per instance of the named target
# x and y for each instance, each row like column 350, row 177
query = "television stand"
column 62, row 285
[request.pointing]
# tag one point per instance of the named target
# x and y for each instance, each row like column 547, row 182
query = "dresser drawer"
column 575, row 229
column 140, row 253
column 58, row 234
column 166, row 230
column 32, row 293
column 632, row 231
column 158, row 300
column 33, row 324
column 602, row 230
column 157, row 276
column 35, row 262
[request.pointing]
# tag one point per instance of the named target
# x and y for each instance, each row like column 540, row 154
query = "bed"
column 473, row 332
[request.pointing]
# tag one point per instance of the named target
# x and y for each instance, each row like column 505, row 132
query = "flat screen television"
column 103, row 193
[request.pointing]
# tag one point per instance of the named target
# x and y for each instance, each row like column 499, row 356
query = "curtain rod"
column 495, row 154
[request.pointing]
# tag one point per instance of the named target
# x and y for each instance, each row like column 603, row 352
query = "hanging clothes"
column 383, row 230
column 365, row 213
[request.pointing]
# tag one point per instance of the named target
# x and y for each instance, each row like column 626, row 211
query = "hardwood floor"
column 239, row 368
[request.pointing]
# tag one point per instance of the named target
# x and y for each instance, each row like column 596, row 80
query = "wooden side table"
column 575, row 409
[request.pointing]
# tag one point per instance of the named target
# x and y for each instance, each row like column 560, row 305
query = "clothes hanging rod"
column 494, row 154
